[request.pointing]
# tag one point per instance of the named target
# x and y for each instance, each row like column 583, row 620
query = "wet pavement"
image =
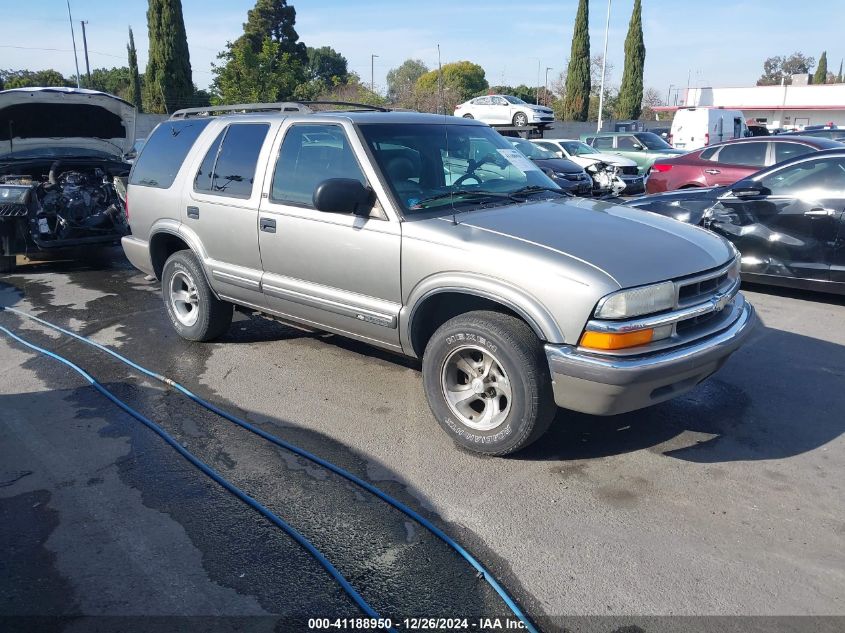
column 726, row 501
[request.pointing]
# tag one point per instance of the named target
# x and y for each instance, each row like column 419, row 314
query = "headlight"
column 637, row 301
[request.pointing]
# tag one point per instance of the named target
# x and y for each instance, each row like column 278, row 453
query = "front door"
column 335, row 271
column 791, row 229
column 222, row 210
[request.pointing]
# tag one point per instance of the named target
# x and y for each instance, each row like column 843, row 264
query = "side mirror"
column 749, row 190
column 343, row 195
column 637, row 147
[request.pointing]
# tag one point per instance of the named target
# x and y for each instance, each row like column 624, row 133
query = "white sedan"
column 505, row 110
column 584, row 155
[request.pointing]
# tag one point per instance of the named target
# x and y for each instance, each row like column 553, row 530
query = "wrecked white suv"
column 62, row 169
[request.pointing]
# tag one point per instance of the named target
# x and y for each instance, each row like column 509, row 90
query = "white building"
column 787, row 106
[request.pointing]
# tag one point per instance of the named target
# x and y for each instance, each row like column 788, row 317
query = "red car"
column 725, row 163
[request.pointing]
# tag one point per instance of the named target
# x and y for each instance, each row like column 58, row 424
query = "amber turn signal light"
column 610, row 340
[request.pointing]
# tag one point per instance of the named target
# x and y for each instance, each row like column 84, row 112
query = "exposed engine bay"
column 607, row 179
column 77, row 201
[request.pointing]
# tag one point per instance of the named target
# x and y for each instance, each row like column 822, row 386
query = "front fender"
column 522, row 303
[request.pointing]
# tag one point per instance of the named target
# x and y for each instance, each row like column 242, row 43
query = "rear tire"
column 468, row 116
column 487, row 382
column 7, row 263
column 194, row 311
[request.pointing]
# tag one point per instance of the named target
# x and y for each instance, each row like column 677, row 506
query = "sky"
column 695, row 42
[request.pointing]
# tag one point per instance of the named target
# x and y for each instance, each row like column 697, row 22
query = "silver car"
column 436, row 239
column 505, row 110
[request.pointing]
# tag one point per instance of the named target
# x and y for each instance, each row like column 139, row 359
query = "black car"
column 836, row 134
column 566, row 174
column 788, row 221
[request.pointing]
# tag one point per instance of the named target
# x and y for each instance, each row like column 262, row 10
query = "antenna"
column 440, row 81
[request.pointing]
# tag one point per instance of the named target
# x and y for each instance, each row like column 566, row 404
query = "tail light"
column 661, row 167
column 707, row 138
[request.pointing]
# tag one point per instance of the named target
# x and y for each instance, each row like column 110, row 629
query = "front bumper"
column 602, row 385
column 633, row 184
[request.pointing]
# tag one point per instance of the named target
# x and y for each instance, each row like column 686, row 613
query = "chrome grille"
column 700, row 289
column 629, row 170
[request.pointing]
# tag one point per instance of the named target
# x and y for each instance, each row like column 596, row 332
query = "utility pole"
column 73, row 39
column 546, row 88
column 669, row 94
column 372, row 73
column 85, row 47
column 604, row 66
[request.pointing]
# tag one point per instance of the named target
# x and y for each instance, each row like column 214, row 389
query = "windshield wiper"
column 461, row 193
column 531, row 189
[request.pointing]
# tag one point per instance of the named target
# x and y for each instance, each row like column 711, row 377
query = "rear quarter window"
column 164, row 152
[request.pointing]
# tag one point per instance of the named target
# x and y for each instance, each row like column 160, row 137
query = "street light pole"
column 85, row 48
column 372, row 73
column 537, row 96
column 604, row 66
column 669, row 94
column 73, row 39
column 546, row 88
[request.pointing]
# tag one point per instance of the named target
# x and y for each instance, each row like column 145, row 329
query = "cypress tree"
column 576, row 102
column 168, row 84
column 839, row 76
column 820, row 76
column 629, row 103
column 134, row 77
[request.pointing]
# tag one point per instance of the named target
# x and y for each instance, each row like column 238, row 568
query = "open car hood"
column 36, row 118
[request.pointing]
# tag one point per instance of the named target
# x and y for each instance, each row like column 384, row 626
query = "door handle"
column 712, row 171
column 819, row 212
column 268, row 225
column 194, row 213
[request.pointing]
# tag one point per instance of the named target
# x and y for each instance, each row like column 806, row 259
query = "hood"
column 610, row 159
column 632, row 247
column 45, row 118
column 685, row 205
column 558, row 164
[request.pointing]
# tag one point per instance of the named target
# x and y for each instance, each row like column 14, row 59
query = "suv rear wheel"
column 196, row 314
column 487, row 382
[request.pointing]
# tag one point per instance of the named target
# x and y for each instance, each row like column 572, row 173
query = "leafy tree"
column 267, row 63
column 576, row 103
column 629, row 103
column 327, row 65
column 779, row 68
column 168, row 78
column 250, row 77
column 116, row 81
column 34, row 78
column 134, row 75
column 820, row 75
column 276, row 20
column 461, row 80
column 526, row 93
column 353, row 91
column 402, row 80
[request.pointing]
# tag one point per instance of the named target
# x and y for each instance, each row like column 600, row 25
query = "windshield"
column 652, row 141
column 577, row 148
column 532, row 150
column 58, row 152
column 435, row 166
column 515, row 100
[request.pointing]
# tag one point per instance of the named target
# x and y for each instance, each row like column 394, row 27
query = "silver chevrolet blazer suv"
column 432, row 237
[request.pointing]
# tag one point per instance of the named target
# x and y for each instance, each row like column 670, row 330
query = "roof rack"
column 281, row 106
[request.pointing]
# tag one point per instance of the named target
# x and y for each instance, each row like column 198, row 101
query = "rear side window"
column 751, row 154
column 788, row 150
column 234, row 170
column 164, row 152
column 202, row 181
column 303, row 163
column 627, row 142
column 708, row 153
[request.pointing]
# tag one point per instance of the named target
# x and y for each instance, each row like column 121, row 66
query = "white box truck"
column 693, row 128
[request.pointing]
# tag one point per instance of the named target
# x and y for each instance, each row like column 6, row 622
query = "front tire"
column 487, row 382
column 468, row 116
column 194, row 311
column 520, row 119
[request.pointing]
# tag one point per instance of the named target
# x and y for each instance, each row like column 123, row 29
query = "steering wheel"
column 472, row 165
column 466, row 177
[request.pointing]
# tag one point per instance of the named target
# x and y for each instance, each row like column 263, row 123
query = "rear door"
column 793, row 229
column 222, row 210
column 736, row 161
column 336, row 271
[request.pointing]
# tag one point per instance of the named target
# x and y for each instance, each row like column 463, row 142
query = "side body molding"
column 521, row 302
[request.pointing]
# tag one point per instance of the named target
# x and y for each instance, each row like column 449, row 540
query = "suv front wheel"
column 196, row 314
column 487, row 382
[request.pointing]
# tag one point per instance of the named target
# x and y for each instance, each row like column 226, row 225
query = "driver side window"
column 627, row 143
column 822, row 175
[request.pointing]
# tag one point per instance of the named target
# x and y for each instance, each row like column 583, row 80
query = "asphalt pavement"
column 727, row 501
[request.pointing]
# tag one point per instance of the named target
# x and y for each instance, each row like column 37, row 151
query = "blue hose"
column 482, row 571
column 206, row 469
